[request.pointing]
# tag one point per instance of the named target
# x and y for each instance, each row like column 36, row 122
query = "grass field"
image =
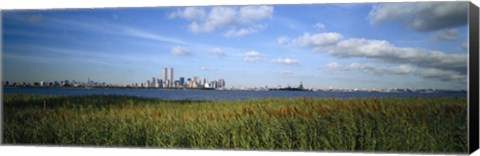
column 436, row 125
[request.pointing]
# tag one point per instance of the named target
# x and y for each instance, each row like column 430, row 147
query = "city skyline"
column 249, row 46
column 168, row 81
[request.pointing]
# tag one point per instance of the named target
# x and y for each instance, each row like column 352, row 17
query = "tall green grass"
column 387, row 125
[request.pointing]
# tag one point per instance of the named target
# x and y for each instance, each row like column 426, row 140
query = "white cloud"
column 234, row 33
column 317, row 40
column 443, row 75
column 286, row 61
column 402, row 69
column 217, row 51
column 425, row 73
column 180, row 51
column 204, row 21
column 447, row 34
column 375, row 69
column 333, row 44
column 423, row 16
column 219, row 17
column 196, row 28
column 189, row 13
column 255, row 13
column 251, row 56
column 319, row 26
column 390, row 11
column 333, row 66
column 383, row 51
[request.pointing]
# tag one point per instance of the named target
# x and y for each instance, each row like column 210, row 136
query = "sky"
column 368, row 45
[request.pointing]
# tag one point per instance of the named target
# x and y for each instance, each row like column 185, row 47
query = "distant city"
column 168, row 82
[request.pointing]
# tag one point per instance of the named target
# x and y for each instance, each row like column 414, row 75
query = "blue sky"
column 370, row 45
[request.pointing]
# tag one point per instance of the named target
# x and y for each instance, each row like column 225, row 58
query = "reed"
column 387, row 125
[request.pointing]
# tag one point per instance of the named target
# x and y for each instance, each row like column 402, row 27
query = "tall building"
column 205, row 80
column 170, row 75
column 168, row 78
column 221, row 83
column 165, row 74
column 154, row 82
column 196, row 79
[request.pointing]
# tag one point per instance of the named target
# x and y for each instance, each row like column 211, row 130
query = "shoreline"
column 129, row 97
column 420, row 91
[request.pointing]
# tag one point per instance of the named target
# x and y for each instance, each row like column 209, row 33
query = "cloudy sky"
column 370, row 45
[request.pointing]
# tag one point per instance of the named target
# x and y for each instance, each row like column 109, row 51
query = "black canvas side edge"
column 473, row 109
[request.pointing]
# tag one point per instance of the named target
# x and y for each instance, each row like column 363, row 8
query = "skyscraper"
column 221, row 83
column 168, row 78
column 165, row 72
column 154, row 82
column 170, row 75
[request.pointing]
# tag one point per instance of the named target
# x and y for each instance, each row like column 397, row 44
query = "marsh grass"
column 436, row 125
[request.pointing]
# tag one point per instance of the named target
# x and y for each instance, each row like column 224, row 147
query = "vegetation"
column 436, row 125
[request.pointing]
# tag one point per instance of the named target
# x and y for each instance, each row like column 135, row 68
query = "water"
column 216, row 95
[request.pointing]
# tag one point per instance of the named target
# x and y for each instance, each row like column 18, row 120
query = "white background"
column 87, row 151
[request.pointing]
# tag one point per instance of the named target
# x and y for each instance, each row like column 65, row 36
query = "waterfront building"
column 205, row 80
column 154, row 82
column 170, row 75
column 182, row 81
column 221, row 83
column 165, row 74
column 177, row 83
column 166, row 83
column 168, row 78
column 196, row 79
column 160, row 83
column 214, row 84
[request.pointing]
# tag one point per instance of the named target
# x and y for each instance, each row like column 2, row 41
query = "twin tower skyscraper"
column 168, row 81
column 168, row 74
